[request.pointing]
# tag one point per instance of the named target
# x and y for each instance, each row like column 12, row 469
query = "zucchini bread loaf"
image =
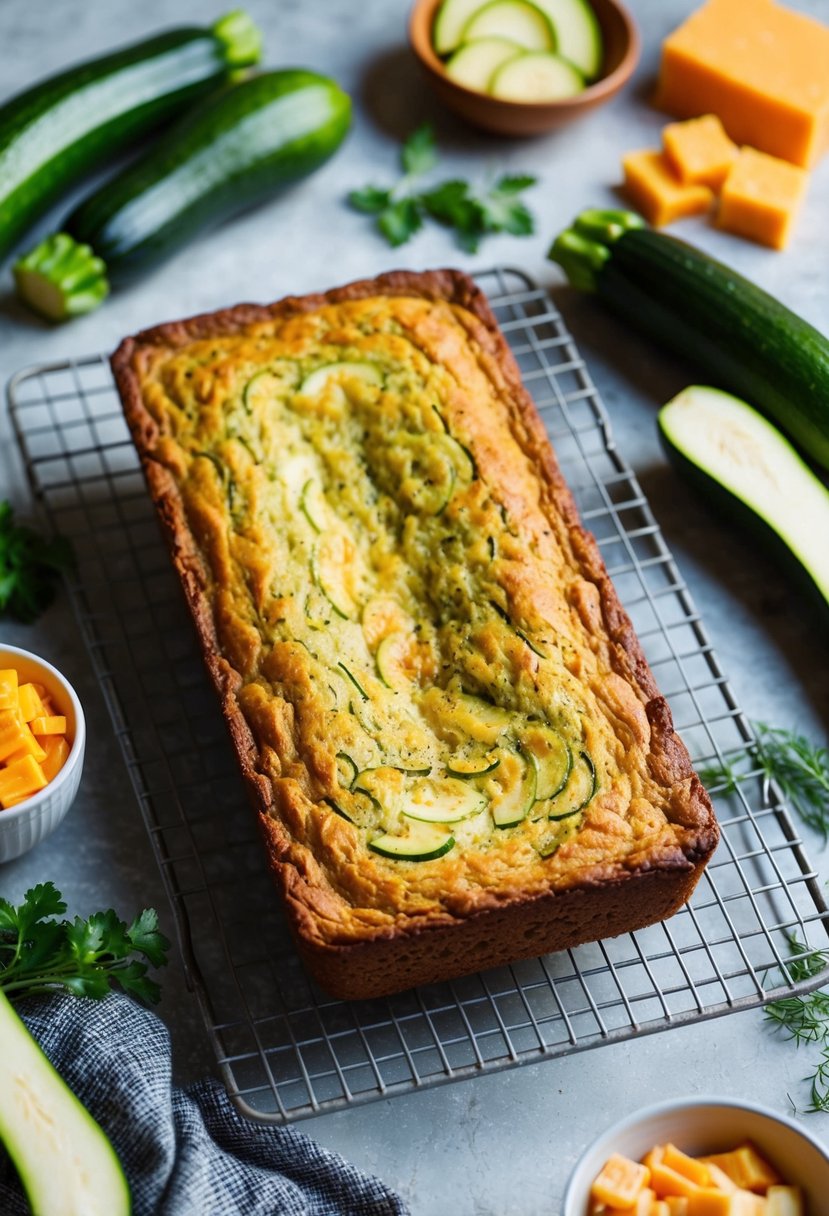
column 455, row 747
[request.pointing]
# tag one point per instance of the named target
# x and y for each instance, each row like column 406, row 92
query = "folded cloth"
column 185, row 1152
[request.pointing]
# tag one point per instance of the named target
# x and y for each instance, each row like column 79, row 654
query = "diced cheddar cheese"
column 664, row 1179
column 761, row 197
column 744, row 1203
column 8, row 688
column 19, row 780
column 654, row 189
column 677, row 1205
column 690, row 1167
column 784, row 1201
column 28, row 702
column 719, row 1178
column 33, row 743
column 761, row 67
column 699, row 151
column 53, row 725
column 56, row 751
column 660, row 1208
column 747, row 1168
column 620, row 1182
column 30, row 747
column 709, row 1201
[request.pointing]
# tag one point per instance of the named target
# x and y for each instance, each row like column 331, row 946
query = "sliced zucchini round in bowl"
column 452, row 18
column 537, row 76
column 475, row 63
column 578, row 34
column 518, row 21
column 746, row 469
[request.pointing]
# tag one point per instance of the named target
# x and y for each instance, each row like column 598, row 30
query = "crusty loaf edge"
column 602, row 901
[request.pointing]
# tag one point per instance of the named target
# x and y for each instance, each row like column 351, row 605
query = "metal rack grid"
column 285, row 1049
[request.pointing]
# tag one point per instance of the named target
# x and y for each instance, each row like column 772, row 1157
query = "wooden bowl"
column 517, row 118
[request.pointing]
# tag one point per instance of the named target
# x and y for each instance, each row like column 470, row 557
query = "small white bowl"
column 30, row 821
column 708, row 1125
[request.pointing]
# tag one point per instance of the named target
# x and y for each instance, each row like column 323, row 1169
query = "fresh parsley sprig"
column 400, row 209
column 30, row 567
column 799, row 767
column 805, row 1019
column 39, row 953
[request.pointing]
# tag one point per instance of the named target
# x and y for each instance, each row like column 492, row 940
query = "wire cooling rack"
column 285, row 1049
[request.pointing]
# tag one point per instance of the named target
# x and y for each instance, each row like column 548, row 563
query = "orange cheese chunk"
column 689, row 1167
column 665, row 1180
column 619, row 1182
column 19, row 780
column 8, row 688
column 53, row 725
column 784, row 1201
column 29, row 747
column 660, row 1208
column 761, row 198
column 655, row 190
column 677, row 1205
column 56, row 751
column 747, row 1168
column 709, row 1201
column 28, row 702
column 12, row 733
column 759, row 66
column 699, row 151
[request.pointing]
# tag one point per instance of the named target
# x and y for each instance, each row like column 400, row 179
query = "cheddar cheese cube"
column 784, row 1201
column 665, row 1180
column 56, row 752
column 55, row 724
column 746, row 1168
column 719, row 1178
column 761, row 198
column 654, row 189
column 28, row 702
column 708, row 1201
column 699, row 151
column 759, row 66
column 8, row 688
column 677, row 1205
column 20, row 780
column 12, row 732
column 689, row 1167
column 29, row 747
column 620, row 1182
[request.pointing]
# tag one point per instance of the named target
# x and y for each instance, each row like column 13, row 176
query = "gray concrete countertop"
column 501, row 1143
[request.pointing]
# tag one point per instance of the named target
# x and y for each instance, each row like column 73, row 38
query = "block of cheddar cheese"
column 655, row 190
column 761, row 198
column 759, row 66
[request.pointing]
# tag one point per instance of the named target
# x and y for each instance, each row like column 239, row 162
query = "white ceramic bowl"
column 25, row 825
column 706, row 1125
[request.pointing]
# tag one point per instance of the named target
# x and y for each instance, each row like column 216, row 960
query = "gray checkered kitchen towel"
column 186, row 1152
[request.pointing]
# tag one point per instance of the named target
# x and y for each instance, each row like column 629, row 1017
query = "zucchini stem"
column 242, row 39
column 582, row 249
column 61, row 278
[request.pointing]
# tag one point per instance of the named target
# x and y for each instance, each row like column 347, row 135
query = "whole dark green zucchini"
column 56, row 131
column 241, row 146
column 739, row 335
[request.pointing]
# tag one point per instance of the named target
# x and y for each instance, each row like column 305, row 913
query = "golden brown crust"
column 474, row 927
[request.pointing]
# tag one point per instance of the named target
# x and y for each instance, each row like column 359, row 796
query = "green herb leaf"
column 39, row 953
column 799, row 767
column 419, row 154
column 370, row 199
column 29, row 568
column 400, row 221
column 805, row 1019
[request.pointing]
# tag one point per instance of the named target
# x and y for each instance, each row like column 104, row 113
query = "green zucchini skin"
column 728, row 504
column 57, row 131
column 739, row 335
column 241, row 146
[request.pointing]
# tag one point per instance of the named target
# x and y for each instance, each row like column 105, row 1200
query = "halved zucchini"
column 321, row 377
column 745, row 468
column 442, row 800
column 420, row 842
